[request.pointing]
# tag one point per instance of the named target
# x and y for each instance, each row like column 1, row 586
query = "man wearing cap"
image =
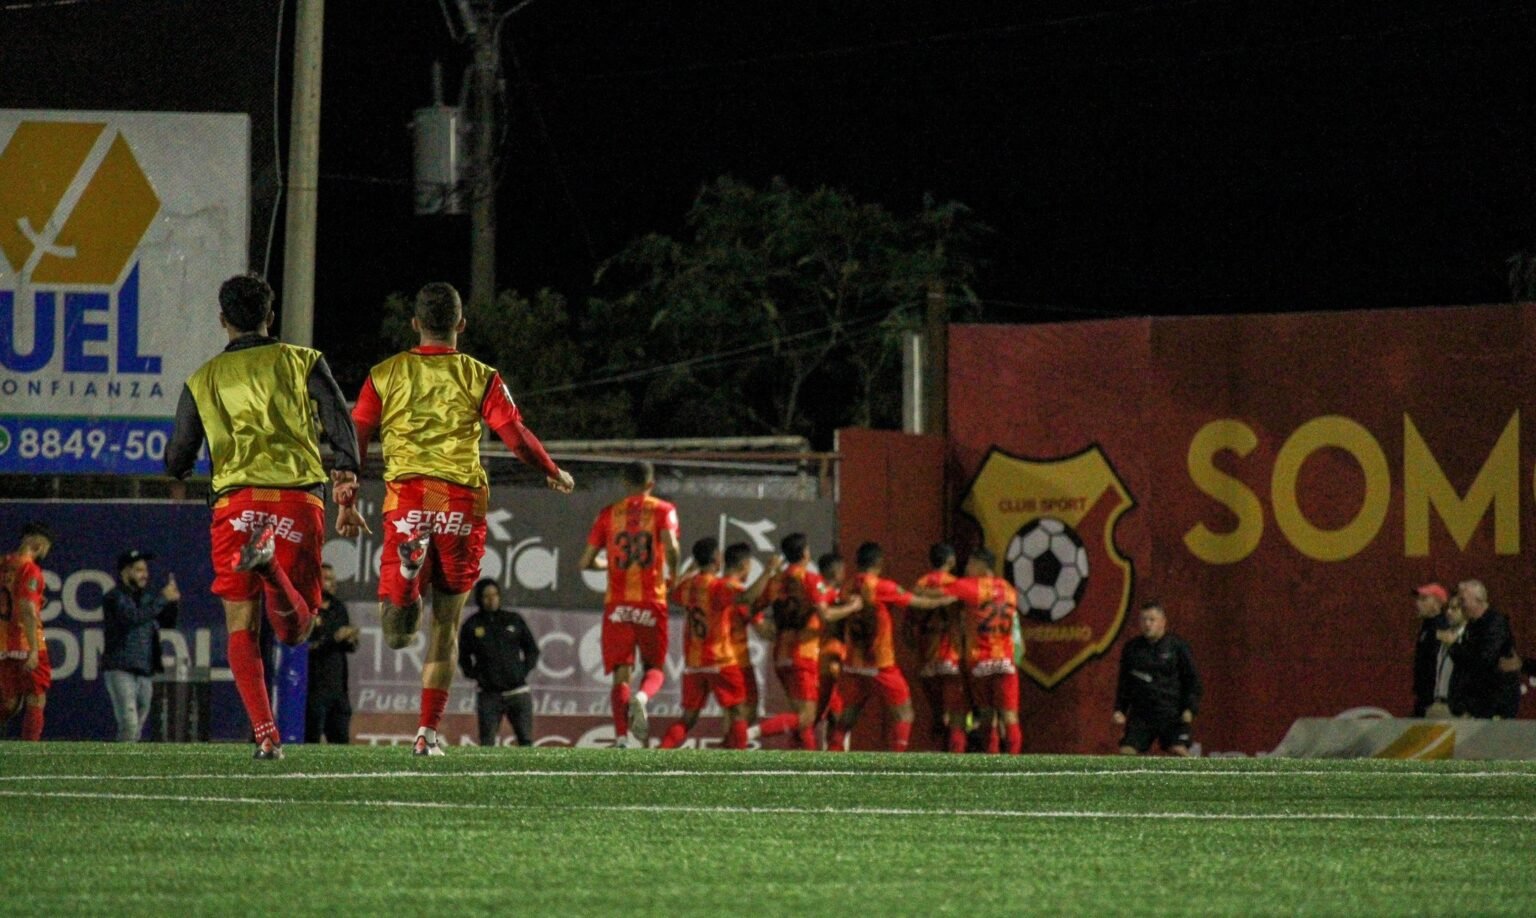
column 132, row 617
column 1429, row 602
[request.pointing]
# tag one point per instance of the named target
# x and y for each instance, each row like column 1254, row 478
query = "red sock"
column 992, row 744
column 245, row 666
column 32, row 723
column 651, row 684
column 956, row 739
column 433, row 701
column 618, row 696
column 901, row 734
column 1015, row 739
column 835, row 703
column 286, row 609
column 807, row 737
column 836, row 737
column 778, row 723
column 674, row 735
column 736, row 737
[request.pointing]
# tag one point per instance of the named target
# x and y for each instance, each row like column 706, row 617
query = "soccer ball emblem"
column 1048, row 565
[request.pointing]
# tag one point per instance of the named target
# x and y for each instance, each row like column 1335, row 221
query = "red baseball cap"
column 1432, row 589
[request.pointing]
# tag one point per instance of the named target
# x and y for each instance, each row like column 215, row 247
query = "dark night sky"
column 1196, row 156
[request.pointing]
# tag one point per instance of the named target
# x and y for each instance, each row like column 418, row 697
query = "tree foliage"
column 779, row 311
column 532, row 343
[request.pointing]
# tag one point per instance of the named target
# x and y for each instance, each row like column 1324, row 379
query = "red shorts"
column 888, row 682
column 729, row 686
column 627, row 628
column 801, row 680
column 457, row 516
column 300, row 520
column 16, row 682
column 997, row 693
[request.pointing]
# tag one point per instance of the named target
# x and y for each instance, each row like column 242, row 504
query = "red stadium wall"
column 1292, row 478
column 891, row 491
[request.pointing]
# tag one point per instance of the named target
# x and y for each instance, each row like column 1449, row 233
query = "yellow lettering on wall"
column 1224, row 547
column 1497, row 483
column 1349, row 539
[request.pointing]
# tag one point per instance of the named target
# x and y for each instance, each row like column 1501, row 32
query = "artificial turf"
column 202, row 829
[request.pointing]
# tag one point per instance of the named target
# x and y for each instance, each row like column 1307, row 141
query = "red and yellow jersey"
column 21, row 580
column 796, row 597
column 871, row 632
column 428, row 405
column 988, row 605
column 255, row 410
column 631, row 532
column 832, row 632
column 703, row 646
column 933, row 629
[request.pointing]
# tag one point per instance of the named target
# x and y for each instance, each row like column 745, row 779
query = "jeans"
column 130, row 694
column 518, row 708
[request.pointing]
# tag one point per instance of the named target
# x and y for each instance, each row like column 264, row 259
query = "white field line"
column 774, row 773
column 788, row 810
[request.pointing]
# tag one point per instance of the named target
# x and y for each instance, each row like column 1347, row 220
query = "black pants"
column 490, row 706
column 329, row 716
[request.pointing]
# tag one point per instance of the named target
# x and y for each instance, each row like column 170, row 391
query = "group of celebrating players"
column 834, row 637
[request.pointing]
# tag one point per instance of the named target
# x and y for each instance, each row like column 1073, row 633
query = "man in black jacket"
column 1429, row 602
column 132, row 617
column 1159, row 691
column 1489, row 690
column 497, row 650
column 328, row 712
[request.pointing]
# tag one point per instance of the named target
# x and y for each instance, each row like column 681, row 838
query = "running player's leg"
column 291, row 580
column 730, row 689
column 1006, row 698
column 437, row 668
column 651, row 643
column 897, row 696
column 695, row 690
column 804, row 694
column 403, row 561
column 855, row 690
column 37, row 700
column 245, row 666
column 618, row 640
column 956, row 707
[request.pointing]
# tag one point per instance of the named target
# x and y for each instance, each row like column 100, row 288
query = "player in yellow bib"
column 428, row 406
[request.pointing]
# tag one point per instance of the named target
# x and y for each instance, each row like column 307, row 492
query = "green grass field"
column 102, row 829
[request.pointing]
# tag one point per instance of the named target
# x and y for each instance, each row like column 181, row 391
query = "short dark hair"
column 985, row 556
column 328, row 564
column 793, row 546
column 1150, row 604
column 483, row 584
column 704, row 551
column 35, row 528
column 246, row 301
column 940, row 553
column 639, row 473
column 868, row 555
column 735, row 553
column 438, row 308
column 827, row 561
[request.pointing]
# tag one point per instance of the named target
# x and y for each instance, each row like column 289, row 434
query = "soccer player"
column 428, row 405
column 798, row 600
column 933, row 633
column 251, row 403
column 988, row 608
column 25, row 674
column 718, row 609
column 834, row 648
column 871, row 666
column 637, row 536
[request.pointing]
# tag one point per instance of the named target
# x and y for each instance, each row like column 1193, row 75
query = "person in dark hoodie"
column 132, row 616
column 498, row 651
column 1159, row 691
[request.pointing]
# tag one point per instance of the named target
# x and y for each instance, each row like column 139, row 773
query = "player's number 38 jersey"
column 631, row 532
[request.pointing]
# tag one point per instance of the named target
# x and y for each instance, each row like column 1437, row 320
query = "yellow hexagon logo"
column 74, row 203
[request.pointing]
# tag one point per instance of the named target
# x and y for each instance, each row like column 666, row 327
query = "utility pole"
column 480, row 22
column 298, row 306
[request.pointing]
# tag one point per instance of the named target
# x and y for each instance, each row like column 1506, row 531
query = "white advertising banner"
column 116, row 229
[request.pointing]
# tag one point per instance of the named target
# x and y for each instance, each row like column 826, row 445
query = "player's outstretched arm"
column 756, row 589
column 842, row 611
column 590, row 561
